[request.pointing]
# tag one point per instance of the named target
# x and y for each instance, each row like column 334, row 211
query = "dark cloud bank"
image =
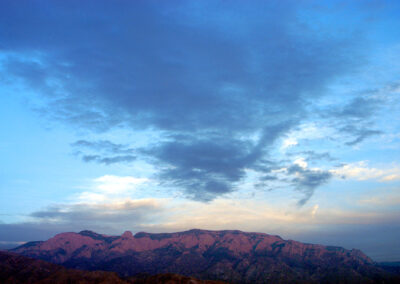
column 222, row 81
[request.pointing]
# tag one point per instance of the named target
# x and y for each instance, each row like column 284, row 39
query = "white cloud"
column 110, row 187
column 310, row 131
column 289, row 142
column 91, row 197
column 361, row 171
column 117, row 184
column 314, row 210
column 301, row 163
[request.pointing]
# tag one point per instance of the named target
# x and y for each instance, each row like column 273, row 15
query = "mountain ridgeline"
column 232, row 256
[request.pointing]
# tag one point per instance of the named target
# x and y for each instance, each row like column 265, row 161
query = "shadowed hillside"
column 20, row 269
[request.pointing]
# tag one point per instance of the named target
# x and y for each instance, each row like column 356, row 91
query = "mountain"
column 21, row 269
column 233, row 256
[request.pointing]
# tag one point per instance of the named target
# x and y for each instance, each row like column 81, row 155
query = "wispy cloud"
column 307, row 180
column 105, row 152
column 360, row 133
column 361, row 171
column 103, row 214
column 104, row 145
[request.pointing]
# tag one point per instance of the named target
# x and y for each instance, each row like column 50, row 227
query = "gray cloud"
column 231, row 76
column 308, row 180
column 359, row 108
column 105, row 152
column 85, row 214
column 355, row 119
column 108, row 160
column 204, row 168
column 211, row 166
column 359, row 133
column 268, row 178
column 314, row 156
column 104, row 145
column 305, row 181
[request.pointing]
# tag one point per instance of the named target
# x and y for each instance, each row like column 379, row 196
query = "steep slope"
column 233, row 256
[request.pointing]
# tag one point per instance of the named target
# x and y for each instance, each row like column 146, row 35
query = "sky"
column 279, row 117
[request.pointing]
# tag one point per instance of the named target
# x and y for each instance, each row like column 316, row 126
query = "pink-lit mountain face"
column 232, row 256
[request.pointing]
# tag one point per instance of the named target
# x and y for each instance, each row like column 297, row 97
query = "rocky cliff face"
column 232, row 256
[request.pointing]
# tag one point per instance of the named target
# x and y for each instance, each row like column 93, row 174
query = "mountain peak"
column 127, row 235
column 88, row 233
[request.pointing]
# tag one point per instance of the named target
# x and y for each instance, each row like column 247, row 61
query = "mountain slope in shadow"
column 18, row 269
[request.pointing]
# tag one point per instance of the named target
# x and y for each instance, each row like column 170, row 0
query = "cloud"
column 314, row 210
column 110, row 188
column 104, row 145
column 110, row 217
column 289, row 142
column 227, row 75
column 119, row 153
column 361, row 171
column 360, row 133
column 107, row 205
column 117, row 184
column 206, row 168
column 355, row 118
column 268, row 178
column 295, row 175
column 307, row 180
column 308, row 130
column 314, row 156
column 359, row 108
column 106, row 213
column 108, row 160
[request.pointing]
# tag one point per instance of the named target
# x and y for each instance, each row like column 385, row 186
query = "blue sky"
column 271, row 116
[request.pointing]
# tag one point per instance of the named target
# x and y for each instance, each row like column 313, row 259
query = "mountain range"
column 231, row 256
